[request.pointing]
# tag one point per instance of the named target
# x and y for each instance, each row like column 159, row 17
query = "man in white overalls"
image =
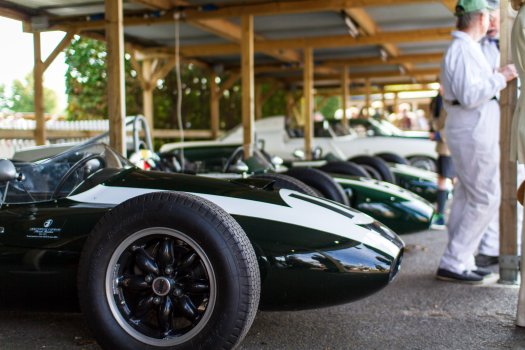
column 470, row 87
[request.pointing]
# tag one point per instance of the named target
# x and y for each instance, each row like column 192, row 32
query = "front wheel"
column 168, row 271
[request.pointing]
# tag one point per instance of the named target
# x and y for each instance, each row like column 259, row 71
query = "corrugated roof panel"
column 423, row 47
column 346, row 52
column 375, row 69
column 427, row 65
column 164, row 34
column 413, row 16
column 298, row 25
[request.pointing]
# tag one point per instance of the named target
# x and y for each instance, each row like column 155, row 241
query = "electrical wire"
column 179, row 87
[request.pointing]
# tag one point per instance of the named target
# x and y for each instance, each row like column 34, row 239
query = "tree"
column 22, row 97
column 86, row 81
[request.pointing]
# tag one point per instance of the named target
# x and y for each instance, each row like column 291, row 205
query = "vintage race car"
column 343, row 143
column 175, row 261
column 381, row 127
column 397, row 208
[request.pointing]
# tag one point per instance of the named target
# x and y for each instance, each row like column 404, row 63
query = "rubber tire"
column 227, row 247
column 378, row 164
column 374, row 174
column 393, row 158
column 287, row 182
column 322, row 182
column 345, row 168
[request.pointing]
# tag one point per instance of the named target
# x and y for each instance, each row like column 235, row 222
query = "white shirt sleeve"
column 471, row 88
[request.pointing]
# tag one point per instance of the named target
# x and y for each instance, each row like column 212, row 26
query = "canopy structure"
column 350, row 45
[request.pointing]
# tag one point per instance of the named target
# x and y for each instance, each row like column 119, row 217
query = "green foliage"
column 87, row 92
column 21, row 97
column 86, row 79
column 329, row 107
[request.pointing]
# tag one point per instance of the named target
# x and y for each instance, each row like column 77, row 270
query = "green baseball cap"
column 466, row 6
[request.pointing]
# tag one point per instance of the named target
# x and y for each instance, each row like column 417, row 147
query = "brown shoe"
column 521, row 193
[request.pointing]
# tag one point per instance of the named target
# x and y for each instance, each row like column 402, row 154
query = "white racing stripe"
column 300, row 212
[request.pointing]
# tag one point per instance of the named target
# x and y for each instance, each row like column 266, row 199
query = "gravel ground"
column 415, row 312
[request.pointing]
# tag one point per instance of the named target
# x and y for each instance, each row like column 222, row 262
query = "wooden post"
column 308, row 101
column 383, row 102
column 258, row 101
column 116, row 91
column 508, row 264
column 38, row 77
column 395, row 105
column 345, row 82
column 214, row 107
column 147, row 92
column 368, row 91
column 247, row 50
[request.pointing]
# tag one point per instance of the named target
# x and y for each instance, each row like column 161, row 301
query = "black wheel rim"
column 160, row 286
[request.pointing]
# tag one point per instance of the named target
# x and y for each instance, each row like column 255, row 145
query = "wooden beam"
column 247, row 52
column 58, row 49
column 308, row 78
column 345, row 90
column 368, row 93
column 421, row 35
column 370, row 61
column 163, row 70
column 157, row 4
column 38, row 77
column 270, row 8
column 214, row 106
column 17, row 15
column 115, row 81
column 147, row 92
column 228, row 83
column 508, row 100
column 451, row 5
column 382, row 74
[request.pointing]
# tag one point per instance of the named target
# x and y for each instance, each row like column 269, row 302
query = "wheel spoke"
column 145, row 262
column 134, row 283
column 165, row 313
column 199, row 286
column 189, row 311
column 166, row 255
column 144, row 306
column 188, row 261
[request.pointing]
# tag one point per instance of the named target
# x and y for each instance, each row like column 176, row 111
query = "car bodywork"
column 392, row 205
column 380, row 127
column 311, row 252
column 342, row 143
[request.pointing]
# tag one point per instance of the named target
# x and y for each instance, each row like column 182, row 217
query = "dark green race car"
column 397, row 208
column 175, row 261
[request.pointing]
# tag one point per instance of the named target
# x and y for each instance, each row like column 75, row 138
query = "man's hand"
column 509, row 72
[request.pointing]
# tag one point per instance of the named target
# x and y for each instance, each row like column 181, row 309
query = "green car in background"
column 397, row 208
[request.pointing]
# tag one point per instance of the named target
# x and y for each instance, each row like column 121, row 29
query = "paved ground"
column 414, row 312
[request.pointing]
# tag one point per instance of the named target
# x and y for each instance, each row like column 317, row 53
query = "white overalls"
column 489, row 244
column 472, row 129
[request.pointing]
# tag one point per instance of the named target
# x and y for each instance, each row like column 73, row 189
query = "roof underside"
column 396, row 41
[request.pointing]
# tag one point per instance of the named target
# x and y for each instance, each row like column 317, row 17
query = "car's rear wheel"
column 287, row 182
column 345, row 168
column 393, row 158
column 321, row 182
column 168, row 271
column 378, row 164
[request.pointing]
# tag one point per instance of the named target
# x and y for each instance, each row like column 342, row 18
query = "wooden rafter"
column 223, row 28
column 333, row 41
column 370, row 61
column 298, row 6
column 369, row 27
column 58, row 49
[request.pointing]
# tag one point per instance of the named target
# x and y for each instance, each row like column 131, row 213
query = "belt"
column 456, row 102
